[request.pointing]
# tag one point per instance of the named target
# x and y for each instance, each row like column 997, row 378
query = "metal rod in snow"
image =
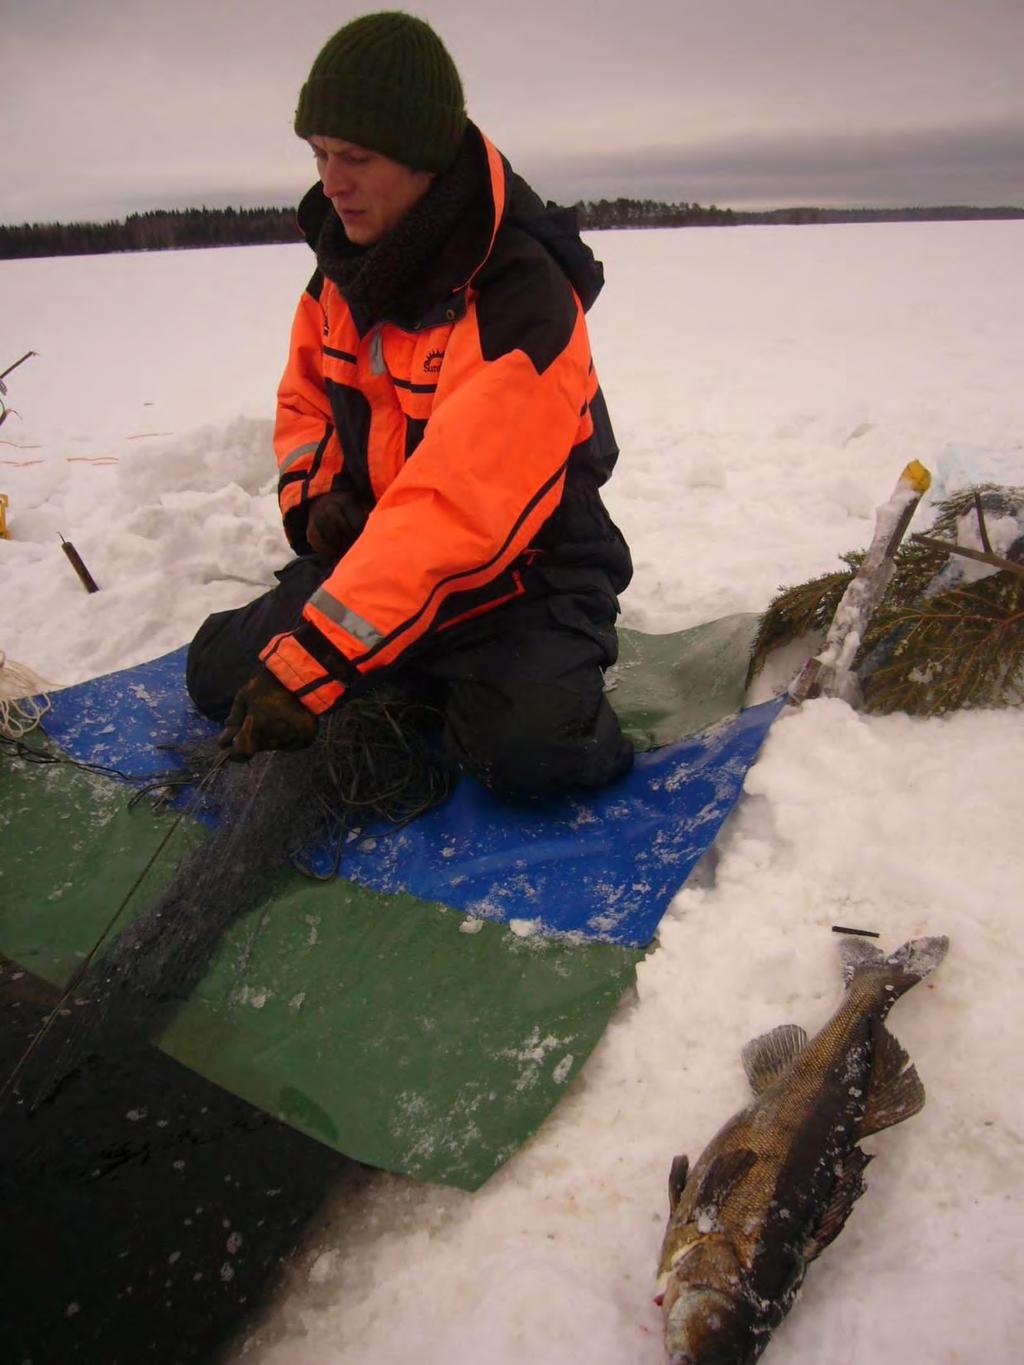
column 25, row 357
column 830, row 672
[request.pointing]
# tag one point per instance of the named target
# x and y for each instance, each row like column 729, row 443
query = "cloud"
column 983, row 164
column 977, row 165
column 118, row 105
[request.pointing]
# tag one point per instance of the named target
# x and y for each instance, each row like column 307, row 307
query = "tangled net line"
column 375, row 759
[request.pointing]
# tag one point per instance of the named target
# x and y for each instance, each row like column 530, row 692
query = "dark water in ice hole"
column 145, row 1214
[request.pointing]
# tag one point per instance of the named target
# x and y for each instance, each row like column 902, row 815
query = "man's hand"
column 334, row 523
column 265, row 715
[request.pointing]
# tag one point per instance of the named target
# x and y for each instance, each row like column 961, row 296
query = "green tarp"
column 370, row 1022
column 399, row 1032
column 665, row 687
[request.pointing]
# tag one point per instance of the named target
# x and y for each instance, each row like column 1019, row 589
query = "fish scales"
column 776, row 1183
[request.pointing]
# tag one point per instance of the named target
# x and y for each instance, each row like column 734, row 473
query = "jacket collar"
column 438, row 285
column 438, row 293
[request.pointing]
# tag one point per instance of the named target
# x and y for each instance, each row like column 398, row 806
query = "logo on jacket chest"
column 432, row 364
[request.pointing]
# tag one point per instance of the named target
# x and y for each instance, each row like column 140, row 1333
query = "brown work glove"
column 265, row 715
column 334, row 523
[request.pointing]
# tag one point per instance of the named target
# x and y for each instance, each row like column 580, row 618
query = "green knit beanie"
column 387, row 83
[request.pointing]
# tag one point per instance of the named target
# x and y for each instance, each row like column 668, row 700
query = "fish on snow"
column 775, row 1185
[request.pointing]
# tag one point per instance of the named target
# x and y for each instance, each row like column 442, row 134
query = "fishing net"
column 374, row 760
column 23, row 699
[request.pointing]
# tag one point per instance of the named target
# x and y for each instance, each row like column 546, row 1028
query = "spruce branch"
column 986, row 544
column 926, row 652
column 962, row 648
column 797, row 611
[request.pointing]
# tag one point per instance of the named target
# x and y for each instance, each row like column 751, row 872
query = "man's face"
column 369, row 191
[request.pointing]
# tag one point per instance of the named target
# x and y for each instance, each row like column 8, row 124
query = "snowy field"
column 767, row 385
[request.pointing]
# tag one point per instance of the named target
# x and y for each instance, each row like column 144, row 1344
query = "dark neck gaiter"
column 373, row 278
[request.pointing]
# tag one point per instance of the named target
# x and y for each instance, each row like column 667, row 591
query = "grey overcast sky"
column 110, row 106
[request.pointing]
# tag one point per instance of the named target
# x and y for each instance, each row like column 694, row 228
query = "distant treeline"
column 167, row 229
column 612, row 213
column 159, row 230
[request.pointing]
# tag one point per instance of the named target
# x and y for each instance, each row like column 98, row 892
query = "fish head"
column 709, row 1319
column 707, row 1326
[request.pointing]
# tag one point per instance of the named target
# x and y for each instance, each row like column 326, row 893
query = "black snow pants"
column 521, row 688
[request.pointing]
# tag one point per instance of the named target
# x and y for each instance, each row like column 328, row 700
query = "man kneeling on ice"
column 441, row 437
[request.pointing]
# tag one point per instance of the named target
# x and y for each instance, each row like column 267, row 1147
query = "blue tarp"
column 604, row 867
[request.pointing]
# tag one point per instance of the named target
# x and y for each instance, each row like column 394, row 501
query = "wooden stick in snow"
column 78, row 564
column 997, row 561
column 830, row 672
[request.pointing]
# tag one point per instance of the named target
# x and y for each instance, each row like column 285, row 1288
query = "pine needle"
column 796, row 612
column 962, row 648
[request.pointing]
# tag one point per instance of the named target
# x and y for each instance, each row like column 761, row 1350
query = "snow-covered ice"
column 767, row 386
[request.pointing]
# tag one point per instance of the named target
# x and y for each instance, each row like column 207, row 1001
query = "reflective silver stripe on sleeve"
column 289, row 460
column 346, row 618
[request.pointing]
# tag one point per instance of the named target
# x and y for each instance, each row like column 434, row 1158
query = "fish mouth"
column 701, row 1327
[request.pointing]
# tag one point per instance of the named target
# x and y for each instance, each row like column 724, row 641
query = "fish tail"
column 920, row 956
column 908, row 965
column 895, row 1091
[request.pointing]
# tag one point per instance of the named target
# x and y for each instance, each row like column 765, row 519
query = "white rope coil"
column 23, row 698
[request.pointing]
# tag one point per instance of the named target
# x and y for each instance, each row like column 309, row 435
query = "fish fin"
column 909, row 964
column 888, row 1059
column 766, row 1058
column 920, row 956
column 856, row 954
column 847, row 1190
column 898, row 1098
column 677, row 1177
column 720, row 1179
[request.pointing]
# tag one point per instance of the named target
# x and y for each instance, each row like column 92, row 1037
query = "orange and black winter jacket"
column 473, row 425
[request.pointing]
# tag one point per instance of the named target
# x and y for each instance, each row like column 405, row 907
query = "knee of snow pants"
column 226, row 650
column 522, row 691
column 526, row 713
